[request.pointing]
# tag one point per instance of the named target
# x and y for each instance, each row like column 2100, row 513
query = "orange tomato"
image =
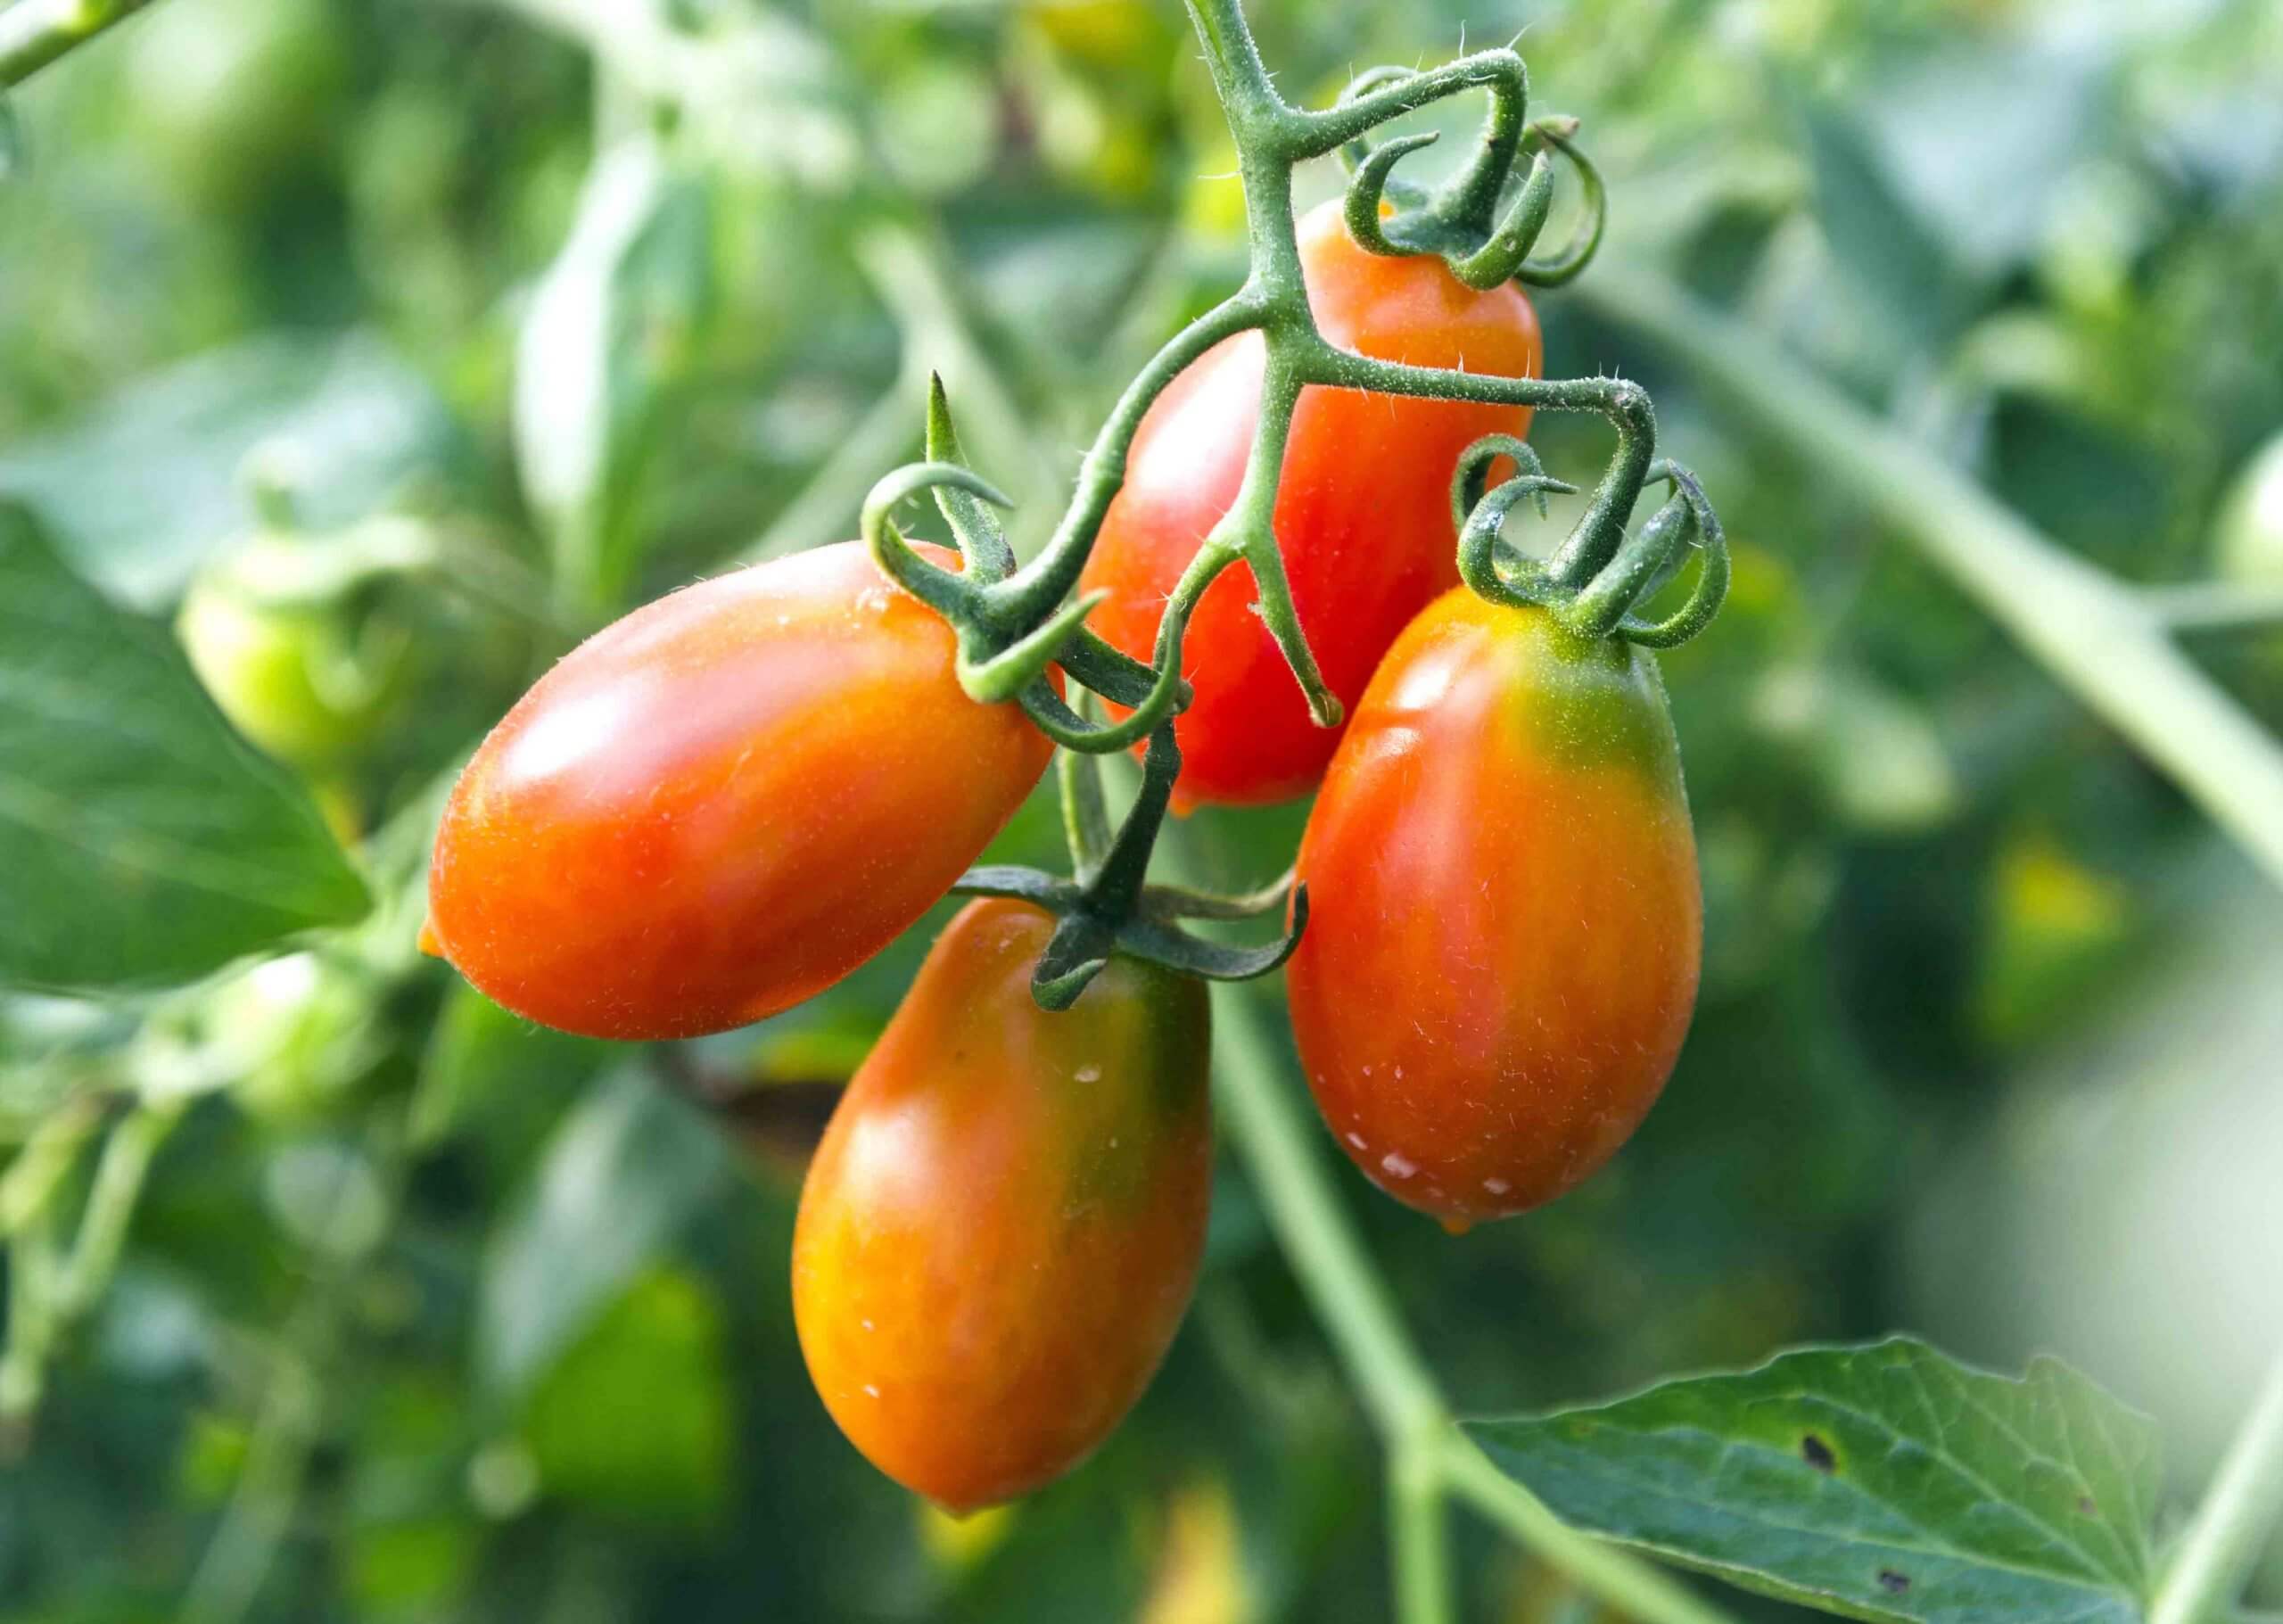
column 1004, row 1223
column 724, row 803
column 1363, row 515
column 1503, row 948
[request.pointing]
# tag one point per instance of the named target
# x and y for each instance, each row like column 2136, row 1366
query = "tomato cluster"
column 726, row 802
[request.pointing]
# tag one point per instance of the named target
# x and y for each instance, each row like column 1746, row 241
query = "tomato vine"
column 1012, row 623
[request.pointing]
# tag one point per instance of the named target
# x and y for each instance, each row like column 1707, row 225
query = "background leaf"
column 141, row 841
column 1886, row 1482
column 620, row 1176
column 146, row 484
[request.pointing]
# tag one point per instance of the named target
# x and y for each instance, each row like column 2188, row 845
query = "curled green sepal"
column 1176, row 949
column 1021, row 665
column 974, row 526
column 957, row 599
column 1186, row 903
column 1712, row 588
column 1471, row 477
column 1367, row 189
column 1108, row 910
column 1505, row 253
column 1580, row 251
column 1641, row 565
column 1504, row 574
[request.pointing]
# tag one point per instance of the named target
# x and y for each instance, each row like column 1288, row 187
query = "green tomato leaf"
column 1884, row 1483
column 146, row 486
column 142, row 842
column 621, row 1175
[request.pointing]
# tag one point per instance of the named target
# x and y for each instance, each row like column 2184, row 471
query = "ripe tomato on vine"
column 1363, row 513
column 1001, row 1231
column 1502, row 954
column 723, row 803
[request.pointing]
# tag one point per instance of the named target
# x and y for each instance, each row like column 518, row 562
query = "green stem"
column 2092, row 632
column 1419, row 1540
column 33, row 33
column 119, row 1175
column 1318, row 1237
column 2237, row 1518
column 1352, row 1300
column 2215, row 607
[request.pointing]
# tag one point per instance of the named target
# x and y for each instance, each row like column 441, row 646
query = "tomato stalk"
column 2235, row 1521
column 1430, row 1460
column 33, row 33
column 1012, row 623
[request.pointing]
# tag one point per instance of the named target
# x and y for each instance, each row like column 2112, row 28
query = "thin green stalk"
column 2239, row 1516
column 2093, row 633
column 1351, row 1299
column 1419, row 1540
column 2215, row 607
column 33, row 33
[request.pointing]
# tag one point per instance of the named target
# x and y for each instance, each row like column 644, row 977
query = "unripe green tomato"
column 2248, row 546
column 304, row 682
column 227, row 97
column 296, row 1032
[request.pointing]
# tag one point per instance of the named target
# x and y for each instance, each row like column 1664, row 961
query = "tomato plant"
column 1363, row 513
column 1504, row 949
column 1001, row 1229
column 723, row 803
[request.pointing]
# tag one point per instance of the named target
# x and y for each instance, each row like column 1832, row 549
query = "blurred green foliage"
column 426, row 1314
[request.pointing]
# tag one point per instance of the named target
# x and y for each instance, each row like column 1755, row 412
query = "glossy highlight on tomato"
column 1363, row 515
column 1507, row 923
column 1002, row 1226
column 724, row 803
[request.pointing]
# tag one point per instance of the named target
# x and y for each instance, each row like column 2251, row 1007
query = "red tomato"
column 723, row 803
column 1003, row 1223
column 1502, row 946
column 1364, row 514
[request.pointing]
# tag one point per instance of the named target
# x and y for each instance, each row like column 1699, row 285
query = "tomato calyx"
column 1593, row 583
column 1107, row 907
column 1484, row 222
column 1012, row 624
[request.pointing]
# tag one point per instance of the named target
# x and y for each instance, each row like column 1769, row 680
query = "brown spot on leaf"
column 1894, row 1583
column 1817, row 1454
column 2085, row 1506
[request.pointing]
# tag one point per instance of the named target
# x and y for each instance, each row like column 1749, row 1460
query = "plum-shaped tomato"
column 1002, row 1225
column 723, row 803
column 1502, row 951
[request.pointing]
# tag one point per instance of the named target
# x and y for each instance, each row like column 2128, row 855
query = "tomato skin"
column 724, row 803
column 1363, row 513
column 1505, row 924
column 1004, row 1223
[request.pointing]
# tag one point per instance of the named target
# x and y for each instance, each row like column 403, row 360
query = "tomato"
column 723, row 803
column 1364, row 514
column 1003, row 1223
column 1505, row 922
column 311, row 684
